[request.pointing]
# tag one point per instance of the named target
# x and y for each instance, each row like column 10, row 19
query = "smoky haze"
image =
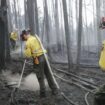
column 30, row 82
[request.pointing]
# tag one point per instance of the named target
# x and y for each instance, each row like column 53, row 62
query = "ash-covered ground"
column 28, row 93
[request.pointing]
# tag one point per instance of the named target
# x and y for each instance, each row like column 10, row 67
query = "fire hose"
column 19, row 83
column 48, row 64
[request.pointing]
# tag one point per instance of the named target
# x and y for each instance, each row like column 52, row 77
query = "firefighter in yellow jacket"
column 33, row 49
column 102, row 57
column 13, row 39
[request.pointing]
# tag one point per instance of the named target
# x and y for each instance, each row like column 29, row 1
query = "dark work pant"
column 99, row 96
column 42, row 71
column 13, row 43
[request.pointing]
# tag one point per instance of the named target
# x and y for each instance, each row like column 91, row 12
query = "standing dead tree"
column 98, row 11
column 67, row 33
column 56, row 18
column 36, row 18
column 47, row 26
column 26, row 15
column 31, row 14
column 4, row 42
column 79, row 37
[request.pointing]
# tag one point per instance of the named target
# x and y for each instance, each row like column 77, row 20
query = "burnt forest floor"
column 28, row 97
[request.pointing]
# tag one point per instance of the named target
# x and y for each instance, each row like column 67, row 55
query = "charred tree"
column 79, row 36
column 4, row 40
column 26, row 15
column 67, row 33
column 31, row 14
column 47, row 26
column 56, row 17
column 6, row 33
column 10, row 26
column 36, row 18
column 2, row 44
column 98, row 11
column 15, row 12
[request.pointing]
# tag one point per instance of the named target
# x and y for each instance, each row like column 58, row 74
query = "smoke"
column 10, row 77
column 28, row 83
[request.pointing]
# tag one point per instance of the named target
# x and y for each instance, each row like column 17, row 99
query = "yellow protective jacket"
column 33, row 47
column 102, row 57
column 14, row 36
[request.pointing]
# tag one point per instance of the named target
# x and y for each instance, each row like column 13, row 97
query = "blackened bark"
column 79, row 34
column 4, row 48
column 36, row 18
column 47, row 26
column 67, row 33
column 31, row 14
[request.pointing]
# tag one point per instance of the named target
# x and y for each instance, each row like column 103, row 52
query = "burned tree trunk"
column 2, row 44
column 10, row 25
column 79, row 34
column 31, row 14
column 15, row 11
column 26, row 15
column 47, row 26
column 36, row 18
column 67, row 33
column 4, row 40
column 98, row 11
column 56, row 17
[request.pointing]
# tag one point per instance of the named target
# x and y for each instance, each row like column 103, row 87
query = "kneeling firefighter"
column 33, row 49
